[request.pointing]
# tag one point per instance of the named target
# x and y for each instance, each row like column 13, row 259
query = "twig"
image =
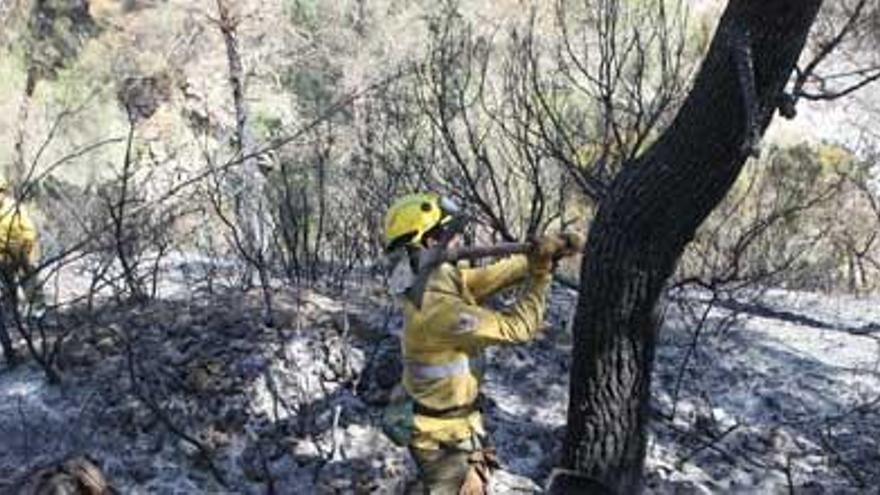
column 276, row 395
column 826, row 49
column 691, row 350
column 825, row 438
column 336, row 447
column 711, row 444
column 157, row 410
column 863, row 407
column 25, row 428
column 9, row 285
column 270, row 481
column 833, row 95
column 788, row 475
column 708, row 443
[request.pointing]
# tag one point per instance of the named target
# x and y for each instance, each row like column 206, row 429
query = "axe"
column 431, row 258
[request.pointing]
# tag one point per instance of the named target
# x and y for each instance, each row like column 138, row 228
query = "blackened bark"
column 19, row 169
column 6, row 344
column 652, row 211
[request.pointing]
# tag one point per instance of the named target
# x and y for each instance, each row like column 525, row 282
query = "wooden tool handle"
column 474, row 252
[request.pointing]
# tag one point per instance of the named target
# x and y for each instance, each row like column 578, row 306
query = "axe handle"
column 474, row 252
column 436, row 256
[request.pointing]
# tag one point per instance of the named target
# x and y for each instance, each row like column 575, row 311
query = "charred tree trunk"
column 6, row 341
column 323, row 146
column 249, row 198
column 55, row 32
column 652, row 211
column 19, row 168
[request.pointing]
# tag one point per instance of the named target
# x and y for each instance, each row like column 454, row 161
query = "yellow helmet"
column 414, row 215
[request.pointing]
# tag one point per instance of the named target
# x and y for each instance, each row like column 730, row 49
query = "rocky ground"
column 194, row 394
column 782, row 396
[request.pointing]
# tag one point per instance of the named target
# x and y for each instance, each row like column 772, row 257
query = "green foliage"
column 56, row 32
column 266, row 125
column 506, row 139
column 303, row 13
column 797, row 217
column 311, row 84
column 314, row 85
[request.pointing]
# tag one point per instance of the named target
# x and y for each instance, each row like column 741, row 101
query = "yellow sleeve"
column 484, row 281
column 478, row 326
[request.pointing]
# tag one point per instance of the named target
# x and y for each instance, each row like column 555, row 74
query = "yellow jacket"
column 18, row 236
column 443, row 342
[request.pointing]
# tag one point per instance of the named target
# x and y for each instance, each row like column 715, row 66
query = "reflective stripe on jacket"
column 443, row 342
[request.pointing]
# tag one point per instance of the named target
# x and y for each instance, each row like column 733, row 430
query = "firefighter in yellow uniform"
column 444, row 339
column 19, row 255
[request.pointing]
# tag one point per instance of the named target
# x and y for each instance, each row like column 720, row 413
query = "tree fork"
column 651, row 212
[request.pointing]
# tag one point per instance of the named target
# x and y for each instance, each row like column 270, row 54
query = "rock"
column 506, row 482
column 772, row 482
column 77, row 475
column 684, row 487
column 381, row 373
column 216, row 439
column 106, row 345
column 209, row 376
column 188, row 448
column 198, row 379
column 233, row 420
column 811, row 487
column 251, row 463
column 79, row 354
column 251, row 367
column 358, row 327
column 394, row 467
column 141, row 471
column 337, row 478
column 242, row 346
column 305, row 451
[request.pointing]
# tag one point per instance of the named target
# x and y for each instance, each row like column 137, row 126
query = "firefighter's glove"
column 574, row 244
column 548, row 249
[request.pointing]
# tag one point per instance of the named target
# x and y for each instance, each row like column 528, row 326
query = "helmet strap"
column 444, row 233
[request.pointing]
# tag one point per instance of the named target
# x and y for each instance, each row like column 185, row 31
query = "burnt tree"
column 652, row 210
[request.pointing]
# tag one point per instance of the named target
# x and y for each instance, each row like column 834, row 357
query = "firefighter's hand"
column 550, row 248
column 573, row 244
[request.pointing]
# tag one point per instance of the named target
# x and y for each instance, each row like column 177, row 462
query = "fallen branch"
column 142, row 395
column 837, row 458
column 711, row 444
column 789, row 478
column 692, row 348
column 763, row 311
column 708, row 443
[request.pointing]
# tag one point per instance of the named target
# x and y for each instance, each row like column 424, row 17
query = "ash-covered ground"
column 194, row 394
